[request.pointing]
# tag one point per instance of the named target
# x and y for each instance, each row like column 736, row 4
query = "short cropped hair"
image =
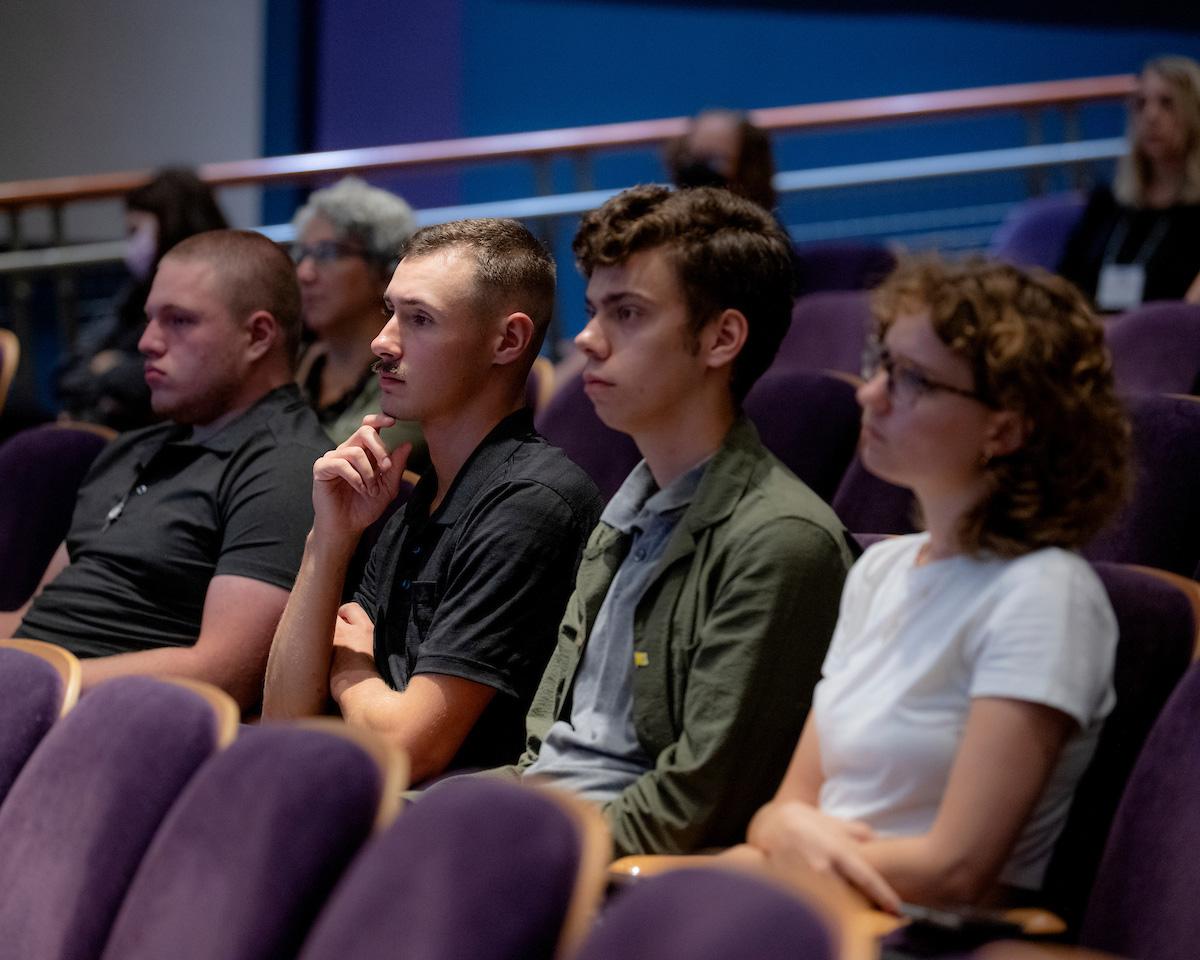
column 255, row 275
column 1035, row 348
column 379, row 221
column 728, row 253
column 513, row 270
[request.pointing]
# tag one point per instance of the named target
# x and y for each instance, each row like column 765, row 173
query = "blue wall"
column 393, row 72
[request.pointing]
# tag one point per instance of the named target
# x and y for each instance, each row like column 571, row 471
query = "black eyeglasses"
column 906, row 384
column 325, row 251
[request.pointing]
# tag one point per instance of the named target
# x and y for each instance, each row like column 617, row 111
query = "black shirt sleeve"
column 266, row 512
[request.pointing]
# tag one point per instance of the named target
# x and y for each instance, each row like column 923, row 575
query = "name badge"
column 640, row 658
column 1121, row 286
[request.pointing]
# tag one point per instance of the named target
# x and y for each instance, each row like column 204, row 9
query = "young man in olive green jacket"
column 707, row 595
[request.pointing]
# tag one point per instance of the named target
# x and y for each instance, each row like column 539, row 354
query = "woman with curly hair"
column 971, row 667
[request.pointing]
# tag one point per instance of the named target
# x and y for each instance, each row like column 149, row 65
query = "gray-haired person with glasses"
column 971, row 668
column 348, row 243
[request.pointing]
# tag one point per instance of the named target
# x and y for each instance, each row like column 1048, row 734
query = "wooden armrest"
column 1034, row 921
column 649, row 865
column 1023, row 950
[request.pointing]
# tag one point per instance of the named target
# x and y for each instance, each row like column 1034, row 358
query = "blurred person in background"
column 102, row 381
column 724, row 149
column 348, row 240
column 1140, row 239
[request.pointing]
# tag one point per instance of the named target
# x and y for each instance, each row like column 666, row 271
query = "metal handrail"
column 567, row 204
column 540, row 143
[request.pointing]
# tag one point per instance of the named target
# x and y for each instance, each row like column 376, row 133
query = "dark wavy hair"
column 182, row 203
column 728, row 253
column 1035, row 348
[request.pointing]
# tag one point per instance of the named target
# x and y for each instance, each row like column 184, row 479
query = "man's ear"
column 516, row 333
column 263, row 333
column 722, row 340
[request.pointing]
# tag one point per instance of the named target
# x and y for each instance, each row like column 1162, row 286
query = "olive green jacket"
column 729, row 640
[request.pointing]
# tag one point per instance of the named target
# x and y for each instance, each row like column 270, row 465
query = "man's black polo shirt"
column 477, row 590
column 160, row 515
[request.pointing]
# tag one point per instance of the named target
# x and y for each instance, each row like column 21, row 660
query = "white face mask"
column 140, row 247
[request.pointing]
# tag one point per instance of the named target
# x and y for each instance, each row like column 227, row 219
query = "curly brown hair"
column 1035, row 348
column 728, row 253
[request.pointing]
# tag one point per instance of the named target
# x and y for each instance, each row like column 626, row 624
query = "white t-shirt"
column 914, row 645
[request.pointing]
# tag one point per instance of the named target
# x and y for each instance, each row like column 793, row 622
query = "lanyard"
column 1149, row 246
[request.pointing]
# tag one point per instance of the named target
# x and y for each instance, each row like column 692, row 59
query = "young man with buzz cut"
column 442, row 646
column 708, row 593
column 186, row 536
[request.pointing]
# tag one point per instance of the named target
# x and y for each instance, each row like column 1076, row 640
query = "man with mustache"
column 447, row 634
column 187, row 535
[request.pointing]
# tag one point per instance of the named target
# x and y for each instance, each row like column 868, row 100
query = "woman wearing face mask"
column 724, row 149
column 971, row 667
column 102, row 381
column 1140, row 240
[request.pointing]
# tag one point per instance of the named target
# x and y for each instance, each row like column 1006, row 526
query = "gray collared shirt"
column 597, row 753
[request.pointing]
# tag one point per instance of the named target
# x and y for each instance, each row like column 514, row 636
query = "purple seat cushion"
column 1156, row 348
column 1160, row 526
column 1144, row 901
column 866, row 504
column 31, row 696
column 706, row 914
column 1156, row 635
column 249, row 852
column 80, row 815
column 828, row 332
column 809, row 421
column 569, row 421
column 841, row 266
column 40, row 473
column 1034, row 234
column 476, row 868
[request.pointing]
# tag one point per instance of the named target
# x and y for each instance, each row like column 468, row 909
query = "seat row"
column 810, row 420
column 137, row 825
column 143, row 823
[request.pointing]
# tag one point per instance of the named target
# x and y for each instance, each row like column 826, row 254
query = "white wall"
column 88, row 86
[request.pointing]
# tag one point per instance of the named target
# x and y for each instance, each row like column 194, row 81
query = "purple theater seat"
column 828, row 332
column 809, row 421
column 1034, row 234
column 866, row 504
column 1160, row 526
column 81, row 813
column 1144, row 902
column 476, row 868
column 569, row 421
column 841, row 266
column 31, row 699
column 40, row 473
column 1156, row 348
column 703, row 913
column 249, row 852
column 1156, row 636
